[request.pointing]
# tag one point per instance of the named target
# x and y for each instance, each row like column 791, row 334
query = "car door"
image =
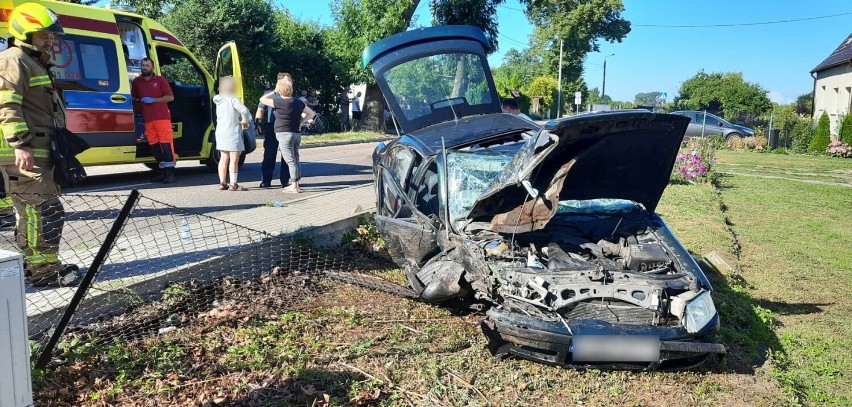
column 410, row 238
column 713, row 126
column 228, row 64
column 695, row 124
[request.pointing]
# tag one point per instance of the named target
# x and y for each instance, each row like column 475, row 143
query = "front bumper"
column 550, row 341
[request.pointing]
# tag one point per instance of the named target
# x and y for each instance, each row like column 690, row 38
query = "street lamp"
column 603, row 87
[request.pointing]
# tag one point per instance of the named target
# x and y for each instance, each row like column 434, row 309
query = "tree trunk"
column 373, row 112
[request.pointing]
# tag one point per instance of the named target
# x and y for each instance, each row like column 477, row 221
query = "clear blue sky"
column 777, row 56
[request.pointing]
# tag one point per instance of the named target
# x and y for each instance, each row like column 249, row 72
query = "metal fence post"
column 97, row 262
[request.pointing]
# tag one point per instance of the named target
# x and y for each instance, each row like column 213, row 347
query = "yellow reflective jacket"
column 31, row 108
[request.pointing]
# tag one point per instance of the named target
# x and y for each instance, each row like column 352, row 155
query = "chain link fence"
column 150, row 267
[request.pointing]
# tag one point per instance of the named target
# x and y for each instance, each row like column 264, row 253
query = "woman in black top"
column 289, row 112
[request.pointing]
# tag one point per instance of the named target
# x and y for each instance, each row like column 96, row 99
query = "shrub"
column 736, row 143
column 838, row 148
column 717, row 142
column 801, row 134
column 697, row 162
column 822, row 136
column 845, row 133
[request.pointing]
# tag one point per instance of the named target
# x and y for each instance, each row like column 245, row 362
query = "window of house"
column 85, row 63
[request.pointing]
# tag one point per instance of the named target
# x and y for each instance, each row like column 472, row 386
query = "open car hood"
column 621, row 155
column 433, row 75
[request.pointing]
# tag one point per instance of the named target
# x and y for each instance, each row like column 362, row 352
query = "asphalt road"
column 323, row 169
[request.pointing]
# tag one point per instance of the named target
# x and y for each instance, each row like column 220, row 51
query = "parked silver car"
column 703, row 124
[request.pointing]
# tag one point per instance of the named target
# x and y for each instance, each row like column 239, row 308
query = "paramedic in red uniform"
column 153, row 93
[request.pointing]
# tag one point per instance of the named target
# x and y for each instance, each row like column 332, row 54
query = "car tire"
column 152, row 166
column 213, row 160
column 733, row 138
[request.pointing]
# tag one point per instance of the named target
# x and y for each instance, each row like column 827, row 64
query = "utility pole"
column 559, row 85
column 603, row 87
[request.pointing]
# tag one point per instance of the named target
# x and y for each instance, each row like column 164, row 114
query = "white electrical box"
column 15, row 378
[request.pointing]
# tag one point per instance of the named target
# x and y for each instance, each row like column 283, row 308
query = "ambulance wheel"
column 213, row 160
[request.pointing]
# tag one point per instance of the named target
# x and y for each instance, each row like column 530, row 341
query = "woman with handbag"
column 231, row 118
column 289, row 112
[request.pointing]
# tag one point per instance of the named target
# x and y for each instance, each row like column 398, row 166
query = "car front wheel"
column 734, row 140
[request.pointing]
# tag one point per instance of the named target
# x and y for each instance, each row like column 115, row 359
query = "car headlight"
column 699, row 311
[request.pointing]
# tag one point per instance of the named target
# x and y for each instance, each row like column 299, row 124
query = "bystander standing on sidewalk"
column 264, row 120
column 356, row 110
column 231, row 118
column 288, row 119
column 343, row 102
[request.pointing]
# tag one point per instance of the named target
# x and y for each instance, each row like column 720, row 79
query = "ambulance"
column 95, row 62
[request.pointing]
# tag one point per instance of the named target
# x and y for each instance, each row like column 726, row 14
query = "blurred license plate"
column 605, row 348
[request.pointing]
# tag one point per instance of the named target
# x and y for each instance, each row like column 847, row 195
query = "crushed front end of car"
column 553, row 231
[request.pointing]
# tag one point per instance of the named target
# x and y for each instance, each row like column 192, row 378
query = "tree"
column 647, row 99
column 358, row 23
column 478, row 13
column 725, row 93
column 845, row 132
column 544, row 87
column 580, row 24
column 822, row 136
column 805, row 104
column 204, row 25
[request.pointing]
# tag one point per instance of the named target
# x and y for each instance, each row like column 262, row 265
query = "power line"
column 741, row 24
column 511, row 8
column 514, row 40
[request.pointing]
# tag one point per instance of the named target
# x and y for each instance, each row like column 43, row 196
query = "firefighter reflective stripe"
column 39, row 80
column 42, row 258
column 7, row 96
column 13, row 128
column 5, row 151
column 32, row 226
column 34, row 238
column 6, row 203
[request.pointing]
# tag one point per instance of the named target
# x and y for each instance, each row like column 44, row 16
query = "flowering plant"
column 696, row 163
column 838, row 148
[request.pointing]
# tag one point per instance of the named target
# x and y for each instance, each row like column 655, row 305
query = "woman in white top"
column 231, row 118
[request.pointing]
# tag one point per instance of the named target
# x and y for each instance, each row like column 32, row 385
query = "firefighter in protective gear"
column 31, row 111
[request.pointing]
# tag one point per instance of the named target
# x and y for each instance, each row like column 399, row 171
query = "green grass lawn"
column 795, row 260
column 316, row 140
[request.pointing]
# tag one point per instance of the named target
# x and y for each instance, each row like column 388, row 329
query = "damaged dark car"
column 550, row 229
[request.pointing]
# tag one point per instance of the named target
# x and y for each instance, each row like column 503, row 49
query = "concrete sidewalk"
column 322, row 218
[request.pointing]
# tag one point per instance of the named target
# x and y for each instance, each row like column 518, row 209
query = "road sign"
column 578, row 97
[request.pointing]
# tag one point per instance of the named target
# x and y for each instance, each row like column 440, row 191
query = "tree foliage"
column 581, row 24
column 545, row 87
column 822, row 136
column 155, row 9
column 204, row 25
column 845, row 133
column 647, row 98
column 805, row 104
column 725, row 93
column 478, row 13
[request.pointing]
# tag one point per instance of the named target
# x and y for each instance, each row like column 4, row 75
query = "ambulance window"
column 176, row 67
column 85, row 63
column 133, row 46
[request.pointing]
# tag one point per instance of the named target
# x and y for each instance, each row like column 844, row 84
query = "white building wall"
column 833, row 94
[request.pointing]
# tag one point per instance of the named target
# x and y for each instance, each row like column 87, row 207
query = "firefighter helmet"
column 28, row 18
